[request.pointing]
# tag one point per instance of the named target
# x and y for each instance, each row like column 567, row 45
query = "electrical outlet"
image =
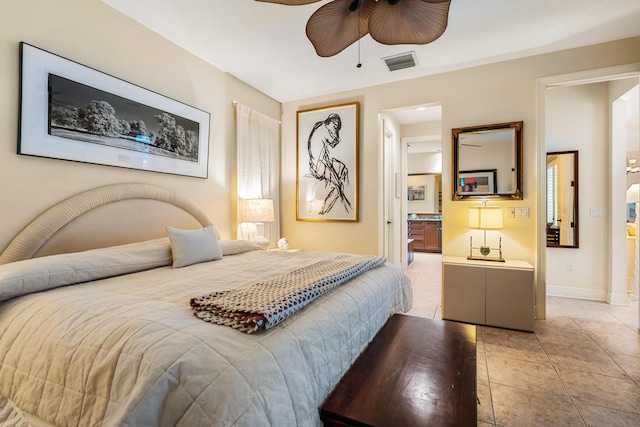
column 570, row 268
column 511, row 212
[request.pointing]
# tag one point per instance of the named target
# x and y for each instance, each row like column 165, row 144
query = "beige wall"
column 493, row 93
column 90, row 32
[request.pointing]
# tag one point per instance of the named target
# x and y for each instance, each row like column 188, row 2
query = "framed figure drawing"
column 69, row 111
column 327, row 164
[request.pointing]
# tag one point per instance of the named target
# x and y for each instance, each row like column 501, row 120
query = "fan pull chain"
column 359, row 38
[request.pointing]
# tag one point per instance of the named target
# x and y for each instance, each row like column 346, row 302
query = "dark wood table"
column 415, row 372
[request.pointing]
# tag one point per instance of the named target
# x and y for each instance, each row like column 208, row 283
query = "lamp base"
column 485, row 258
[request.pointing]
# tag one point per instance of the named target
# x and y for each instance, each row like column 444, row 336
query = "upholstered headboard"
column 105, row 216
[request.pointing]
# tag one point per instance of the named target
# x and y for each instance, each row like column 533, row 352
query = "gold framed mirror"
column 562, row 199
column 487, row 162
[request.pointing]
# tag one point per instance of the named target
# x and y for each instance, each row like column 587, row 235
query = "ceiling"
column 265, row 44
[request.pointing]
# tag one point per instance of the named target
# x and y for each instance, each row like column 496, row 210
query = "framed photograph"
column 327, row 164
column 72, row 112
column 478, row 182
column 416, row 192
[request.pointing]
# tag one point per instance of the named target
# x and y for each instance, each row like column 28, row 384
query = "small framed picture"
column 477, row 182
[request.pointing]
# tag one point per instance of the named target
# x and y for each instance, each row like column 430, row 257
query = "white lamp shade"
column 258, row 210
column 485, row 218
column 633, row 193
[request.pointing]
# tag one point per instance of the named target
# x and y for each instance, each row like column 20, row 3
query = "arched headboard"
column 105, row 216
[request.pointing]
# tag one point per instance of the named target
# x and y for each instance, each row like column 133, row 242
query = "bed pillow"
column 234, row 247
column 39, row 274
column 194, row 246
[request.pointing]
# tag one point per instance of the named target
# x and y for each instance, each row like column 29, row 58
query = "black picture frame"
column 69, row 111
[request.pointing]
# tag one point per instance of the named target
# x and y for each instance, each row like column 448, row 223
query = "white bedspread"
column 127, row 350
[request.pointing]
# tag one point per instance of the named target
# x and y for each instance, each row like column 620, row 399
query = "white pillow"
column 234, row 247
column 39, row 274
column 194, row 246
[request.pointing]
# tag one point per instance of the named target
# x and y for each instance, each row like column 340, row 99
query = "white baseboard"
column 580, row 293
column 588, row 294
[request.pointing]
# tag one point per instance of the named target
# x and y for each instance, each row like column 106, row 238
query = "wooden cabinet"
column 488, row 293
column 427, row 235
column 416, row 232
column 433, row 236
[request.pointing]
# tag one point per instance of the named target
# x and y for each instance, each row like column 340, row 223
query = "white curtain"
column 258, row 163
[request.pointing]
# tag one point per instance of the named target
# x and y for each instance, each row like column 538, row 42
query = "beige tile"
column 621, row 343
column 483, row 424
column 601, row 390
column 630, row 365
column 556, row 323
column 517, row 345
column 522, row 408
column 583, row 358
column 525, row 375
column 485, row 405
column 482, row 373
column 596, row 416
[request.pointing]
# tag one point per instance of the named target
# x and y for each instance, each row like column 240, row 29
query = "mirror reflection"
column 424, row 193
column 562, row 199
column 487, row 161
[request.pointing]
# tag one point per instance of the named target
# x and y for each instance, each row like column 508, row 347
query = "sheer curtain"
column 258, row 164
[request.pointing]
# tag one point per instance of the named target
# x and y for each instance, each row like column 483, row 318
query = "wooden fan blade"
column 409, row 21
column 333, row 27
column 290, row 2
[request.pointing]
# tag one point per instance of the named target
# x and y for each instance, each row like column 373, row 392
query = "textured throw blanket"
column 263, row 304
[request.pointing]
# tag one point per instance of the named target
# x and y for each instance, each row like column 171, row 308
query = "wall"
column 495, row 93
column 424, row 163
column 91, row 33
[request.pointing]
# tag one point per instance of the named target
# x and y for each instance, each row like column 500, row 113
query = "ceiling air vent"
column 403, row 60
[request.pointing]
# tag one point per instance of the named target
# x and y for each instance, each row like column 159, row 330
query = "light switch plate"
column 522, row 212
column 596, row 211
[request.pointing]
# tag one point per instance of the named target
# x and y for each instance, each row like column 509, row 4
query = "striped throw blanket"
column 265, row 303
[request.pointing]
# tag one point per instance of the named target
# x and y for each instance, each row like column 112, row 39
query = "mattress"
column 128, row 351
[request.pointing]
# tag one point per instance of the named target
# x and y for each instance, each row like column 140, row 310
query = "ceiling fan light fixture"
column 335, row 26
column 409, row 21
column 290, row 2
column 401, row 61
column 340, row 23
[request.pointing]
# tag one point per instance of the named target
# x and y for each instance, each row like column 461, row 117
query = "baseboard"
column 580, row 293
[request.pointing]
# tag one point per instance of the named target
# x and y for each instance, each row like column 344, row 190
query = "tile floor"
column 581, row 367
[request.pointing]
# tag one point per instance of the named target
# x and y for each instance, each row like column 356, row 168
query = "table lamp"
column 485, row 218
column 256, row 212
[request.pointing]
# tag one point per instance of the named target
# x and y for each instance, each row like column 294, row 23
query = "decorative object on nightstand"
column 255, row 212
column 283, row 244
column 485, row 218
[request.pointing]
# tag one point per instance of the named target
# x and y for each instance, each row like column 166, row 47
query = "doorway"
column 406, row 136
column 603, row 211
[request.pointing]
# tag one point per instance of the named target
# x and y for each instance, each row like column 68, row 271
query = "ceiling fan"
column 340, row 23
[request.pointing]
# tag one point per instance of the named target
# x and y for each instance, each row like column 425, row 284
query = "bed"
column 122, row 347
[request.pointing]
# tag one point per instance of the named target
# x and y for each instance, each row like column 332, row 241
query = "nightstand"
column 488, row 293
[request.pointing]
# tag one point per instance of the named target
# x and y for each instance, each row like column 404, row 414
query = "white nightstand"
column 488, row 293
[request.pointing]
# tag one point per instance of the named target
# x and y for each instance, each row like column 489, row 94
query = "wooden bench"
column 415, row 372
